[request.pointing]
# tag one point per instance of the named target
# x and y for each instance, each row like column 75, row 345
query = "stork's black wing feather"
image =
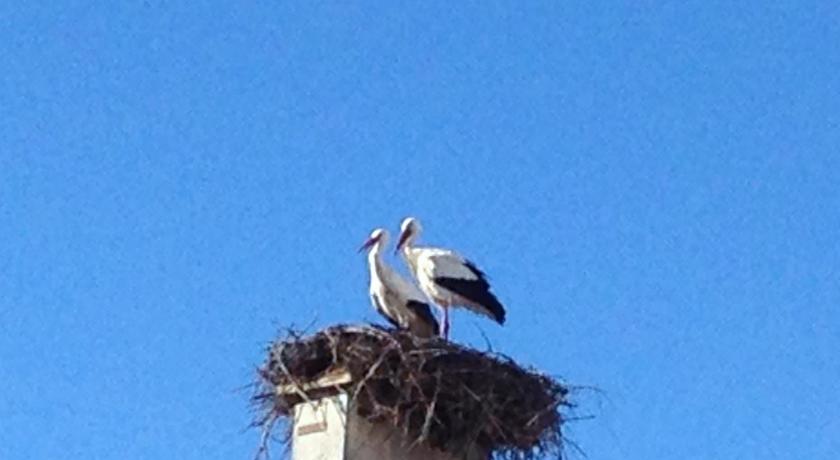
column 477, row 291
column 424, row 312
column 476, row 271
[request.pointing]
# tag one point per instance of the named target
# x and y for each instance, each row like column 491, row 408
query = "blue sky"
column 652, row 187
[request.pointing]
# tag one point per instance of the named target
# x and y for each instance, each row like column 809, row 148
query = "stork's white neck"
column 375, row 259
column 410, row 255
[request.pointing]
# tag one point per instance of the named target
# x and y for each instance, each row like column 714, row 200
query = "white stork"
column 447, row 278
column 399, row 301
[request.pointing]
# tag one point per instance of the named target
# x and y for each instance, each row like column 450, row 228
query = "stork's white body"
column 429, row 264
column 448, row 278
column 397, row 299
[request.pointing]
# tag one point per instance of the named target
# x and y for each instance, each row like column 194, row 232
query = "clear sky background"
column 652, row 186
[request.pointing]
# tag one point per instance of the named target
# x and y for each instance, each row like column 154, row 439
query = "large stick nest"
column 436, row 392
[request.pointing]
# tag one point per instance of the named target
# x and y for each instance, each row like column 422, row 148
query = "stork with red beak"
column 447, row 278
column 398, row 300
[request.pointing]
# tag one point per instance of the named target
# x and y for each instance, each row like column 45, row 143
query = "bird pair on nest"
column 444, row 276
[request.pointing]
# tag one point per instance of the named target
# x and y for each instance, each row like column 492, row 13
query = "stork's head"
column 409, row 230
column 378, row 237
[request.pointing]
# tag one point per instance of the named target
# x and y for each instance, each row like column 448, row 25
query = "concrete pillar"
column 325, row 428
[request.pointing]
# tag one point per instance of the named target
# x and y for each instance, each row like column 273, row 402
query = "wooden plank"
column 332, row 380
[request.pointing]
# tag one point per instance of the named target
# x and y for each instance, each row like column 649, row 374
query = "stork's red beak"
column 370, row 242
column 401, row 242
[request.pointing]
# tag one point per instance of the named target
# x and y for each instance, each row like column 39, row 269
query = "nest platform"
column 437, row 392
